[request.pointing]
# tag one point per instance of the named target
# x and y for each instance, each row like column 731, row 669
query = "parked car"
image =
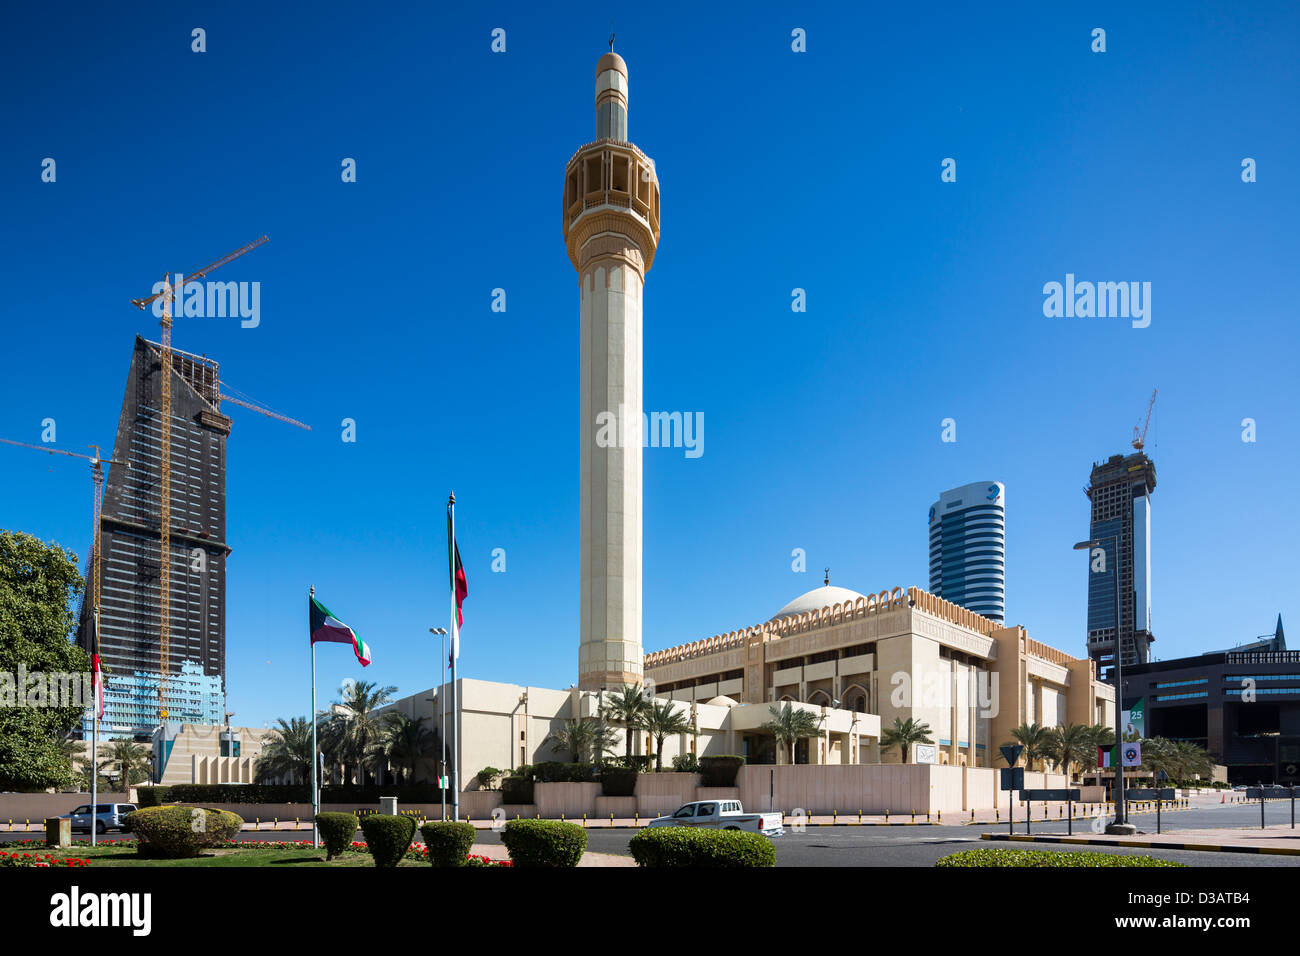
column 721, row 815
column 108, row 816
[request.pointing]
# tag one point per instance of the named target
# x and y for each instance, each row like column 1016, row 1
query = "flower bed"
column 45, row 860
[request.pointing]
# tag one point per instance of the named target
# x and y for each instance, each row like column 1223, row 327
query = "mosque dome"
column 828, row 595
column 611, row 61
column 722, row 702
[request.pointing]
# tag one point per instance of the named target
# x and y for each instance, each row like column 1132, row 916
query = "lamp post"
column 1121, row 824
column 442, row 719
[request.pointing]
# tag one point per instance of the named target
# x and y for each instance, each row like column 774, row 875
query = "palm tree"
column 904, row 734
column 664, row 720
column 1097, row 735
column 1034, row 739
column 405, row 743
column 628, row 707
column 790, row 725
column 1195, row 760
column 581, row 737
column 1070, row 745
column 287, row 754
column 132, row 761
column 355, row 725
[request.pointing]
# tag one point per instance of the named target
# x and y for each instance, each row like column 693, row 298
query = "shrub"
column 544, row 842
column 152, row 796
column 336, row 831
column 1001, row 857
column 682, row 846
column 686, row 763
column 486, row 776
column 641, row 762
column 177, row 832
column 618, row 781
column 448, row 842
column 299, row 793
column 720, row 771
column 552, row 771
column 516, row 790
column 388, row 837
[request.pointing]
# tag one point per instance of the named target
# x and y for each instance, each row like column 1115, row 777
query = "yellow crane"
column 168, row 295
column 1140, row 437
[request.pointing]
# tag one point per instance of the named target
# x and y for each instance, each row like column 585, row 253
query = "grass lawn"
column 294, row 857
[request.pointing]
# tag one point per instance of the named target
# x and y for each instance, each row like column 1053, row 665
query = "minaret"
column 611, row 228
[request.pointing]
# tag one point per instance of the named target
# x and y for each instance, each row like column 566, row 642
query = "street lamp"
column 442, row 719
column 1121, row 824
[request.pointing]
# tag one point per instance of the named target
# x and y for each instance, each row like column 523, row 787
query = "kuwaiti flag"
column 99, row 674
column 459, row 583
column 326, row 627
column 1106, row 756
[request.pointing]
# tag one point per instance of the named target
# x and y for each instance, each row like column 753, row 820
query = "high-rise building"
column 130, row 646
column 968, row 548
column 611, row 229
column 1120, row 491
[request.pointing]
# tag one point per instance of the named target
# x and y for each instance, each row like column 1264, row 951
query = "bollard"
column 940, row 812
column 972, row 816
column 860, row 813
column 611, row 819
column 584, row 821
column 913, row 816
column 886, row 814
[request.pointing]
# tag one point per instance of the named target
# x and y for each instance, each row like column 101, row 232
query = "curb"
column 1143, row 844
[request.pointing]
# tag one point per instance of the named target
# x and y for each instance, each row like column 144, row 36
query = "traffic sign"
column 1049, row 795
column 1011, row 753
column 1012, row 778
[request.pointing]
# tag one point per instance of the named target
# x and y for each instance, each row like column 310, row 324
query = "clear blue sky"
column 778, row 170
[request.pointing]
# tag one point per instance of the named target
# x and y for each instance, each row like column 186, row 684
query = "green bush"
column 683, row 846
column 686, row 763
column 720, row 771
column 1006, row 857
column 641, row 762
column 552, row 771
column 299, row 793
column 152, row 796
column 177, row 832
column 336, row 831
column 486, row 776
column 516, row 790
column 618, row 781
column 544, row 842
column 388, row 837
column 448, row 842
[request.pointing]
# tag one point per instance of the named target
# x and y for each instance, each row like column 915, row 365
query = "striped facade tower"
column 611, row 230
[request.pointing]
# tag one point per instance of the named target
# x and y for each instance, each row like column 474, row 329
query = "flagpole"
column 315, row 791
column 94, row 746
column 455, row 653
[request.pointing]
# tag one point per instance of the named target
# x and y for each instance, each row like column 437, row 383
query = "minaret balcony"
column 610, row 173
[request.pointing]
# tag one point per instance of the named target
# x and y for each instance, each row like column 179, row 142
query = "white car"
column 721, row 815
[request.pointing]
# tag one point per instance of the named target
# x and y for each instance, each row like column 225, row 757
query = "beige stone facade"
column 895, row 654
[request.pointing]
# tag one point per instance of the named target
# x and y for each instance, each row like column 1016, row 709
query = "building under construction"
column 1120, row 491
column 130, row 644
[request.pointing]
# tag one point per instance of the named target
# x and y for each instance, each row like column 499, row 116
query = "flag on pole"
column 326, row 627
column 459, row 583
column 99, row 674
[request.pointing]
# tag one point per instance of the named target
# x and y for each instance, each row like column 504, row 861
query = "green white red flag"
column 325, row 627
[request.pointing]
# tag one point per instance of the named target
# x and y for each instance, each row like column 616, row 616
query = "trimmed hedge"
column 538, row 843
column 641, row 762
column 1004, row 857
column 720, row 771
column 336, row 831
column 516, row 790
column 552, row 771
column 153, row 796
column 448, row 842
column 618, row 781
column 297, row 793
column 178, row 832
column 388, row 837
column 684, row 846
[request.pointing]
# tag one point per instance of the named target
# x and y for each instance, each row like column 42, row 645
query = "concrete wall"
column 18, row 807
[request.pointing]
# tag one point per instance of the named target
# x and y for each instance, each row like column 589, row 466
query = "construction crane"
column 1140, row 437
column 168, row 294
column 97, row 482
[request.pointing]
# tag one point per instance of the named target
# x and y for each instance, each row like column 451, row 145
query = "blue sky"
column 779, row 170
